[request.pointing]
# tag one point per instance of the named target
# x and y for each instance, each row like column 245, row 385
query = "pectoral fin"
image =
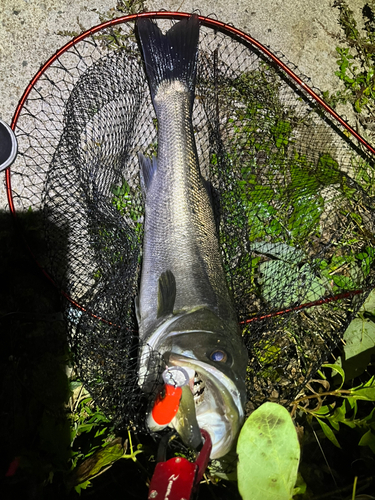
column 166, row 294
column 185, row 421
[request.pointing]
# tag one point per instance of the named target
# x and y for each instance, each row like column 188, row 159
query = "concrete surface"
column 303, row 30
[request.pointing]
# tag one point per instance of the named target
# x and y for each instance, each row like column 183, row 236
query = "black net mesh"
column 292, row 195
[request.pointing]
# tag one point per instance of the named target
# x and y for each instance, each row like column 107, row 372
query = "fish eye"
column 219, row 356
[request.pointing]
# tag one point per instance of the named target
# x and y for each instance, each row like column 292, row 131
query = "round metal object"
column 8, row 146
column 176, row 376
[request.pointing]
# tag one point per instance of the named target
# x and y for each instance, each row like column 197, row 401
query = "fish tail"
column 172, row 56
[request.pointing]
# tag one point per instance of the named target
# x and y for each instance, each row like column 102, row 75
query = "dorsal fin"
column 166, row 294
column 148, row 168
column 137, row 313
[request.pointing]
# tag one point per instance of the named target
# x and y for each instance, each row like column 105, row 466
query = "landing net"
column 292, row 194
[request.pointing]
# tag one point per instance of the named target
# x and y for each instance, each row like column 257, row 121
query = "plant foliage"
column 356, row 63
column 268, row 455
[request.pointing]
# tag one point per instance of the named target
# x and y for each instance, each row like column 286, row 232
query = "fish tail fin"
column 172, row 56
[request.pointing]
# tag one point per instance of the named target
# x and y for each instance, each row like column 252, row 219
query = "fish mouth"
column 217, row 401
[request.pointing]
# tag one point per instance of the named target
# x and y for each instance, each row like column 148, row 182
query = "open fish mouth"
column 217, row 402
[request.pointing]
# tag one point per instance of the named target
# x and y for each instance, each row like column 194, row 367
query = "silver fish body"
column 184, row 308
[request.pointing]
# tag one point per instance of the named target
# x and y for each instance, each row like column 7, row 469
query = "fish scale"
column 180, row 231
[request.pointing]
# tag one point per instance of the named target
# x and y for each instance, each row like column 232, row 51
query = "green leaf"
column 340, row 413
column 284, row 284
column 305, row 218
column 337, row 369
column 100, row 459
column 337, row 415
column 369, row 304
column 300, row 487
column 100, row 432
column 368, row 439
column 280, row 251
column 324, row 411
column 84, row 428
column 82, row 486
column 328, row 170
column 352, row 404
column 365, row 393
column 268, row 453
column 368, row 419
column 74, row 385
column 328, row 432
column 344, row 282
column 359, row 337
column 334, row 423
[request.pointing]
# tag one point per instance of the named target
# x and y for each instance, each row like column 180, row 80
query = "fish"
column 184, row 307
